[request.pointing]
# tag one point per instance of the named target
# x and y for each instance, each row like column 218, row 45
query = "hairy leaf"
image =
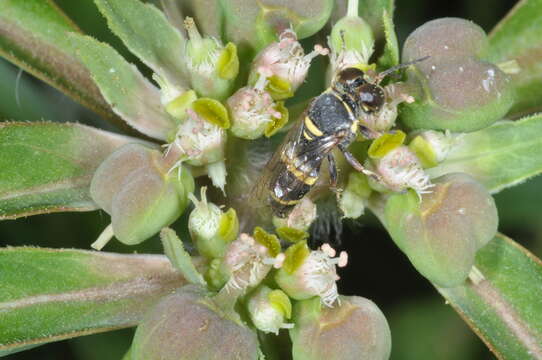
column 47, row 167
column 131, row 96
column 34, row 36
column 49, row 295
column 148, row 34
column 518, row 37
column 502, row 300
column 373, row 11
column 499, row 156
column 390, row 57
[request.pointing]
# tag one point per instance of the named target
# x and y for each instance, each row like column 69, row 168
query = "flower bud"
column 441, row 234
column 300, row 218
column 134, row 185
column 211, row 229
column 285, row 59
column 212, row 66
column 432, row 147
column 460, row 96
column 351, row 40
column 444, row 40
column 198, row 141
column 354, row 195
column 307, row 273
column 188, row 325
column 269, row 310
column 399, row 169
column 254, row 113
column 356, row 329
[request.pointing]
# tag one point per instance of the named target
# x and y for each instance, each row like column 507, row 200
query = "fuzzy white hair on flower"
column 401, row 169
column 248, row 263
column 205, row 65
column 287, row 59
column 320, row 273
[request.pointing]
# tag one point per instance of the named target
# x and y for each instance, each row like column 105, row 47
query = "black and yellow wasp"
column 333, row 120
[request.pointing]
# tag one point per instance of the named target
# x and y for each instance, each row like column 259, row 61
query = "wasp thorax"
column 355, row 329
column 188, row 324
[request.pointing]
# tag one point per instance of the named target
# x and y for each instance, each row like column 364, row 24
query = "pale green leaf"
column 49, row 295
column 34, row 35
column 519, row 37
column 147, row 33
column 47, row 167
column 130, row 94
column 390, row 57
column 499, row 156
column 502, row 300
column 372, row 11
column 179, row 257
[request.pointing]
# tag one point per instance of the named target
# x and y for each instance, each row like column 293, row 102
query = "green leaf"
column 390, row 57
column 34, row 36
column 179, row 257
column 373, row 11
column 47, row 167
column 147, row 33
column 49, row 295
column 130, row 94
column 499, row 156
column 517, row 37
column 502, row 300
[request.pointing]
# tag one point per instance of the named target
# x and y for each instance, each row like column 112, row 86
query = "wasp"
column 334, row 119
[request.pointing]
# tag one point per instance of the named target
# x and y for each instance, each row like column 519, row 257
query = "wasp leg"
column 356, row 165
column 332, row 172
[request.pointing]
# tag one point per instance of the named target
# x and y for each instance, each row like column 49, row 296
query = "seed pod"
column 269, row 309
column 307, row 274
column 354, row 330
column 256, row 23
column 211, row 229
column 461, row 96
column 444, row 40
column 189, row 325
column 142, row 196
column 441, row 234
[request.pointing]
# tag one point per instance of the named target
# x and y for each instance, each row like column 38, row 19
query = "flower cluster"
column 219, row 104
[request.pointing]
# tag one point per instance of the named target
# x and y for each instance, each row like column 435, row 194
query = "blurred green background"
column 422, row 326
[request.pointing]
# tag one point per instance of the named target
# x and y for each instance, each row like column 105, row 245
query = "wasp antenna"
column 395, row 68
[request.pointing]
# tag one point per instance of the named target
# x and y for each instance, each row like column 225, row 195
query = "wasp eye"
column 371, row 97
column 351, row 77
